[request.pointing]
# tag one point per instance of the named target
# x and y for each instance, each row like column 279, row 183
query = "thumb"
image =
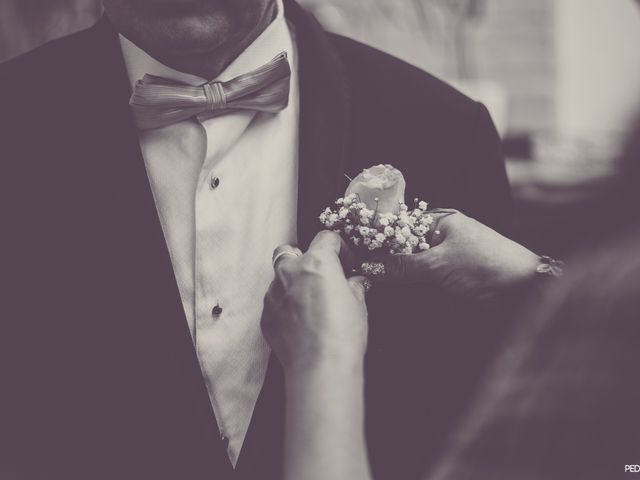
column 359, row 286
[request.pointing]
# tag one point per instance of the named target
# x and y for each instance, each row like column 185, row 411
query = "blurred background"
column 560, row 77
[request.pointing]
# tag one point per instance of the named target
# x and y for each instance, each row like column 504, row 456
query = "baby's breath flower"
column 419, row 230
column 400, row 232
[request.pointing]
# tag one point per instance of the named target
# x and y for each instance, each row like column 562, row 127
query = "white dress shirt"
column 226, row 194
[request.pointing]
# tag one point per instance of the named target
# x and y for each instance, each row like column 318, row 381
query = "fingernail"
column 373, row 269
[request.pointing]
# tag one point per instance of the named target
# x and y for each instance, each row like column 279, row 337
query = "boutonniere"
column 372, row 215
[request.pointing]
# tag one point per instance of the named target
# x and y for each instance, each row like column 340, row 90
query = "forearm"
column 325, row 424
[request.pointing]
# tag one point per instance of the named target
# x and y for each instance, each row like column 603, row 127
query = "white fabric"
column 221, row 239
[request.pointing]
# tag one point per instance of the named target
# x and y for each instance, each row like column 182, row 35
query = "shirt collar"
column 275, row 39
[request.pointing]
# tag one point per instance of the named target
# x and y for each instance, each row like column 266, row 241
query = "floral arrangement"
column 372, row 215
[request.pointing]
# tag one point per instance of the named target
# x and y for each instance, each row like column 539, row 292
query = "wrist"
column 550, row 267
column 325, row 368
column 534, row 266
column 523, row 269
column 325, row 388
column 534, row 271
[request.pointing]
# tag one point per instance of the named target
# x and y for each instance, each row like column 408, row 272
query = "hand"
column 467, row 258
column 313, row 313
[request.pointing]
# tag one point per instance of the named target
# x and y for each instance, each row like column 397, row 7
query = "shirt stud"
column 216, row 311
column 214, row 183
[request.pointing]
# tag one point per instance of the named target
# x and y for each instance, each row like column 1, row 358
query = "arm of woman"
column 316, row 322
column 467, row 259
column 324, row 432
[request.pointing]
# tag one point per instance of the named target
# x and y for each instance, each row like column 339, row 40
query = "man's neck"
column 210, row 64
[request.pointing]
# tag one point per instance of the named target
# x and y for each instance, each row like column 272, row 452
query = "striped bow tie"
column 157, row 102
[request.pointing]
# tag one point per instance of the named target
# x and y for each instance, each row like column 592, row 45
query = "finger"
column 327, row 241
column 268, row 316
column 347, row 257
column 436, row 236
column 360, row 285
column 447, row 211
column 441, row 226
column 400, row 268
column 285, row 253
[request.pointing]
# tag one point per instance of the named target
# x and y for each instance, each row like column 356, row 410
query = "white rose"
column 381, row 188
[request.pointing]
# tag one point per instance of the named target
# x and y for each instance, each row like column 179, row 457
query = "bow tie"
column 157, row 102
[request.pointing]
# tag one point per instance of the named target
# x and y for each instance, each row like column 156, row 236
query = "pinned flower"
column 372, row 216
column 380, row 188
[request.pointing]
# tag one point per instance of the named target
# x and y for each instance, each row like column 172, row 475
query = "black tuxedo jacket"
column 99, row 376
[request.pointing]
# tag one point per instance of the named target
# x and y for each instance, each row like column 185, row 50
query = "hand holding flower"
column 467, row 259
column 314, row 315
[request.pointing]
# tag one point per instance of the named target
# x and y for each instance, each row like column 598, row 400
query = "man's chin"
column 183, row 8
column 199, row 34
column 183, row 35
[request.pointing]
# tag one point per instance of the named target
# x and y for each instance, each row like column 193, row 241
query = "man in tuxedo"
column 151, row 165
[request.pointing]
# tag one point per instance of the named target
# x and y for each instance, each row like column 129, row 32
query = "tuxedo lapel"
column 153, row 302
column 324, row 121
